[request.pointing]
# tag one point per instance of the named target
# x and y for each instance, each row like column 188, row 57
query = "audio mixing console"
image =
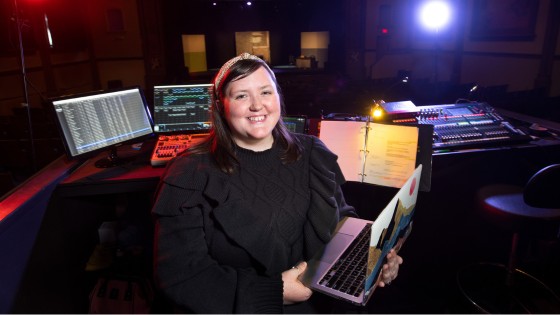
column 459, row 126
column 168, row 146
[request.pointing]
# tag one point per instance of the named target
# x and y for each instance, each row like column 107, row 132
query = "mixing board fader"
column 168, row 146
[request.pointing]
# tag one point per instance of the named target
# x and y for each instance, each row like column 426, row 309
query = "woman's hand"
column 390, row 269
column 294, row 290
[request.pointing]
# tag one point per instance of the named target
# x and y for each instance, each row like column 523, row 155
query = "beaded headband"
column 224, row 69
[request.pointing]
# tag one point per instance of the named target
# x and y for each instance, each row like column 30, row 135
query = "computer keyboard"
column 348, row 274
column 168, row 146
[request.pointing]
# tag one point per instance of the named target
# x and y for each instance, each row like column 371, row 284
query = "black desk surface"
column 136, row 175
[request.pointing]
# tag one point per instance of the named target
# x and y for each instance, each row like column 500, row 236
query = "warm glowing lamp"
column 377, row 112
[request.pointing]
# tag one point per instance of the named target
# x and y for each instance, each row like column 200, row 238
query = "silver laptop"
column 349, row 265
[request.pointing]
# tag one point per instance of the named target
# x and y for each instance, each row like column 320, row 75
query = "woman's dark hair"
column 220, row 143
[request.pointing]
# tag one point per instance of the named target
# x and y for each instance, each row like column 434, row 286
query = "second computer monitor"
column 297, row 124
column 182, row 108
column 102, row 120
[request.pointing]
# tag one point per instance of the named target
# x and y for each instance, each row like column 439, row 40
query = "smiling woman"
column 235, row 213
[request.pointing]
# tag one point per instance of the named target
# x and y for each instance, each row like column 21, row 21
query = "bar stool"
column 530, row 211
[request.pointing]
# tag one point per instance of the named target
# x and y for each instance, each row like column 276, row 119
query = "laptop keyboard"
column 348, row 273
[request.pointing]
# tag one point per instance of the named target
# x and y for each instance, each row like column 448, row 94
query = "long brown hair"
column 220, row 143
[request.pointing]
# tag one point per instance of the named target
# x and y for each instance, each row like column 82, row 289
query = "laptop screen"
column 182, row 108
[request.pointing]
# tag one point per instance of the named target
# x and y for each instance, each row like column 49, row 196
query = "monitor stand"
column 112, row 159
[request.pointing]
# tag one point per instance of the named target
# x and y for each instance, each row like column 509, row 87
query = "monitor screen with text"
column 182, row 108
column 100, row 120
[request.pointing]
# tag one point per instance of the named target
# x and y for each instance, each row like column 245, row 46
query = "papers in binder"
column 374, row 153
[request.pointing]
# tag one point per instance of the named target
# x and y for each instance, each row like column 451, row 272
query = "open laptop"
column 349, row 265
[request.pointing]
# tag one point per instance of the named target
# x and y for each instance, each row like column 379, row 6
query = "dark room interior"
column 483, row 88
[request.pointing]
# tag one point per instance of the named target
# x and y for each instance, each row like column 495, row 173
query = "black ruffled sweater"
column 222, row 241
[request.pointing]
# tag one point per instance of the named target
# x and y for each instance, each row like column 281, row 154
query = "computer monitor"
column 297, row 124
column 102, row 120
column 182, row 108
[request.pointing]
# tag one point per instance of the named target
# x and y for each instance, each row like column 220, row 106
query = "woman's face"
column 252, row 110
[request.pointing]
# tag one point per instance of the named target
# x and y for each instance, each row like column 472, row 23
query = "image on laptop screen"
column 182, row 108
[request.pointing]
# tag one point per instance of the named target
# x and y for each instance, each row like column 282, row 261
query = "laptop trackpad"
column 336, row 247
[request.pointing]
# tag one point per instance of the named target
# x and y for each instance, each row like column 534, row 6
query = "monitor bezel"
column 183, row 131
column 108, row 148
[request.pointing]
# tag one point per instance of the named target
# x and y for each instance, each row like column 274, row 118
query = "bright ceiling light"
column 434, row 15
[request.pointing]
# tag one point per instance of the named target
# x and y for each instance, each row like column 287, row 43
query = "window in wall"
column 315, row 48
column 194, row 53
column 256, row 43
column 115, row 20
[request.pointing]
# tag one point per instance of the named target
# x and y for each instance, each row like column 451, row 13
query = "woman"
column 237, row 216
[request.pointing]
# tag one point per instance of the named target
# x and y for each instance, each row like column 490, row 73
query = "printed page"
column 391, row 157
column 346, row 139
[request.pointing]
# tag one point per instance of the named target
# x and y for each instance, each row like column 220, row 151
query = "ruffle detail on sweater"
column 323, row 216
column 245, row 227
column 240, row 223
column 193, row 173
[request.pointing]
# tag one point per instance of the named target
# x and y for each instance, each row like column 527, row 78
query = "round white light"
column 435, row 14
